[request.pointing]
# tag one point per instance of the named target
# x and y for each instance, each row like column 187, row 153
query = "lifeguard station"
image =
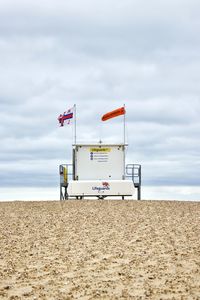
column 99, row 170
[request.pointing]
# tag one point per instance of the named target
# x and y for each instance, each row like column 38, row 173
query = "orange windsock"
column 114, row 113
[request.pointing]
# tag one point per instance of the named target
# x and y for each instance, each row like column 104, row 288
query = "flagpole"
column 75, row 124
column 124, row 142
column 124, row 125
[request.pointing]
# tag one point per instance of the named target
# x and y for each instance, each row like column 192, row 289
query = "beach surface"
column 100, row 250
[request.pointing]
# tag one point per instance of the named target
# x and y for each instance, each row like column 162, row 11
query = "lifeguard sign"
column 99, row 162
column 99, row 170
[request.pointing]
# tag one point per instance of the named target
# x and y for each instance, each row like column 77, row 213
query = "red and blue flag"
column 66, row 116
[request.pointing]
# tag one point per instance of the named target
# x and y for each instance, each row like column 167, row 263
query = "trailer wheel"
column 101, row 197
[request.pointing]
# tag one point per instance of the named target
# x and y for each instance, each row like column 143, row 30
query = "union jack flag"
column 66, row 116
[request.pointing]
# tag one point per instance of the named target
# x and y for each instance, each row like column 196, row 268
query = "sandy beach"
column 100, row 250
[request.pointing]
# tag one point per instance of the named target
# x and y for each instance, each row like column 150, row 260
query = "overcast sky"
column 99, row 55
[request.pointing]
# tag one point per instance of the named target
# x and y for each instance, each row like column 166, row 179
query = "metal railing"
column 133, row 171
column 69, row 170
column 66, row 174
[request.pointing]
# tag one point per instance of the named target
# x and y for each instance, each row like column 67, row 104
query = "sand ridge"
column 100, row 250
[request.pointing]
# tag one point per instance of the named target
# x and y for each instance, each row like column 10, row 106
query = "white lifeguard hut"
column 99, row 170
